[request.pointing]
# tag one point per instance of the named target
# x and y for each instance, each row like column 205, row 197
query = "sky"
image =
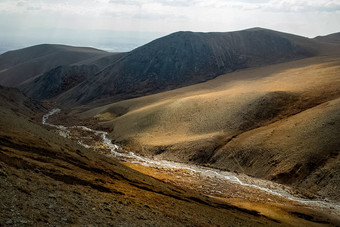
column 122, row 25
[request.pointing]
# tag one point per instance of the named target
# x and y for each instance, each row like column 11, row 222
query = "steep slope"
column 205, row 123
column 19, row 66
column 185, row 58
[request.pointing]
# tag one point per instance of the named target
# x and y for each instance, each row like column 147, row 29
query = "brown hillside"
column 228, row 123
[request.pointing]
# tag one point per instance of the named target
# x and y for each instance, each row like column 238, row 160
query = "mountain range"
column 179, row 59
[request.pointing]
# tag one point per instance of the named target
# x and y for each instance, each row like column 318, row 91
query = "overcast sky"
column 124, row 24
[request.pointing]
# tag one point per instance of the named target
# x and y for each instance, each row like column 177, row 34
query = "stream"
column 265, row 186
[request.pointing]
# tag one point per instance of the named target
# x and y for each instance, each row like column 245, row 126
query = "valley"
column 191, row 129
column 229, row 122
column 208, row 181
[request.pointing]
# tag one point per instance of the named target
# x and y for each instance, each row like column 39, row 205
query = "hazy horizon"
column 116, row 25
column 111, row 41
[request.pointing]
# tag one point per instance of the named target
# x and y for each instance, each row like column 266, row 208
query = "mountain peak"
column 184, row 58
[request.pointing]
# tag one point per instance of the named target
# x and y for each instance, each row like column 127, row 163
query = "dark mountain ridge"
column 177, row 60
column 185, row 58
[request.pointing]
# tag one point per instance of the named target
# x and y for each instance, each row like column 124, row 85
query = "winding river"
column 265, row 186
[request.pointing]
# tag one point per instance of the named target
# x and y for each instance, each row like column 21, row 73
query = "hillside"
column 186, row 58
column 278, row 122
column 20, row 66
column 62, row 78
column 12, row 99
column 46, row 179
column 58, row 80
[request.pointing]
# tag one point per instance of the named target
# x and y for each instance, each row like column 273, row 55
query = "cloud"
column 174, row 3
column 302, row 5
column 268, row 5
column 20, row 4
column 33, row 8
column 173, row 15
column 169, row 6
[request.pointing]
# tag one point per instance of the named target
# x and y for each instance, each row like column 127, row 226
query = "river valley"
column 269, row 198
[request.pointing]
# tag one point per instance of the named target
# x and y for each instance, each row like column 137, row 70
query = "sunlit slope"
column 302, row 150
column 48, row 179
column 199, row 123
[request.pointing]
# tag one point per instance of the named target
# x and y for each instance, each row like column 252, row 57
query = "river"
column 205, row 173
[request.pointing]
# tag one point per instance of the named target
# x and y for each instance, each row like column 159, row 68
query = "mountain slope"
column 62, row 78
column 185, row 58
column 58, row 80
column 19, row 66
column 205, row 123
column 302, row 151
